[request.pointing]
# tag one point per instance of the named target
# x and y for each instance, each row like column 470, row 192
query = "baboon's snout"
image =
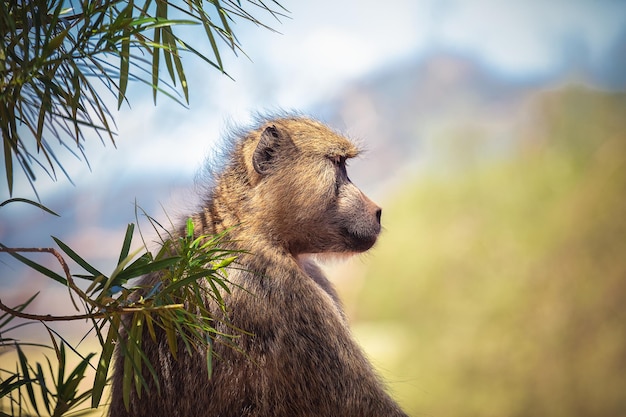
column 379, row 213
column 376, row 224
column 360, row 219
column 375, row 211
column 369, row 225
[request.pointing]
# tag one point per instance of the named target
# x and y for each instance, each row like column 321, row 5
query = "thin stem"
column 99, row 315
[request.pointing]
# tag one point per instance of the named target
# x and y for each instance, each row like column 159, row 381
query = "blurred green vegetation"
column 509, row 276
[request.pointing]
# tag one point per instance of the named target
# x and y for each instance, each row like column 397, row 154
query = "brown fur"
column 285, row 193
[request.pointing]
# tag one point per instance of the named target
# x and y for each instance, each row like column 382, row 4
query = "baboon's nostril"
column 379, row 213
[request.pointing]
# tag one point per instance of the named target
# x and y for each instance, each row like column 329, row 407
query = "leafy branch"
column 50, row 56
column 57, row 60
column 189, row 269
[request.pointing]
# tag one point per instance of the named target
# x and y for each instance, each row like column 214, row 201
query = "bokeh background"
column 496, row 144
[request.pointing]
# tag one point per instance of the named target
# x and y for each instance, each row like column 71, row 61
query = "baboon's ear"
column 266, row 150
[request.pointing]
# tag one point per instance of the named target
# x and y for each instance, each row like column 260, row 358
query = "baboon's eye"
column 340, row 164
column 338, row 160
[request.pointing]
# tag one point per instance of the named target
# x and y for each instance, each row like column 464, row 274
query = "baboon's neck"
column 229, row 207
column 222, row 212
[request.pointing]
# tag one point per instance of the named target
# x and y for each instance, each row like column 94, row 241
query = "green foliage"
column 509, row 276
column 58, row 400
column 50, row 56
column 191, row 270
column 55, row 61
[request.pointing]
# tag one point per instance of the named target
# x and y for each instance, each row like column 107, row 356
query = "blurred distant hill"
column 447, row 110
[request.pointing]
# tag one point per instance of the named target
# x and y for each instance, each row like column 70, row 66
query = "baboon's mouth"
column 358, row 242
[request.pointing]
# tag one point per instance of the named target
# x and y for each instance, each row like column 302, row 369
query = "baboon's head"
column 303, row 198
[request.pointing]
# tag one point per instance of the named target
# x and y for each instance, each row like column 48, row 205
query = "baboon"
column 282, row 195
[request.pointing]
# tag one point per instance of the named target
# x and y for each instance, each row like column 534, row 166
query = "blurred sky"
column 322, row 47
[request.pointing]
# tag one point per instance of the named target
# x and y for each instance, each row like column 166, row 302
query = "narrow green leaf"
column 24, row 200
column 221, row 283
column 138, row 369
column 51, row 370
column 209, row 355
column 159, row 33
column 8, row 163
column 26, row 374
column 171, row 341
column 216, row 293
column 79, row 371
column 169, row 51
column 96, row 282
column 39, row 268
column 138, row 337
column 56, row 42
column 143, row 260
column 124, row 68
column 150, row 325
column 60, row 350
column 134, row 360
column 127, row 241
column 183, row 336
column 44, row 108
column 181, row 75
column 146, row 269
column 75, row 102
column 224, row 262
column 190, row 228
column 164, row 22
column 216, row 53
column 76, row 376
column 76, row 258
column 181, row 282
column 201, row 56
column 222, row 13
column 104, row 363
column 7, row 386
column 99, row 108
column 156, row 55
column 118, row 276
column 42, row 385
